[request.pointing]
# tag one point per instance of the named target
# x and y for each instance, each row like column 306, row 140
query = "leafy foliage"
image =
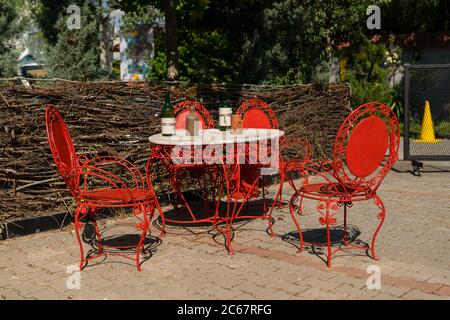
column 405, row 16
column 141, row 15
column 46, row 14
column 281, row 41
column 75, row 55
column 10, row 30
column 370, row 67
column 268, row 41
column 202, row 59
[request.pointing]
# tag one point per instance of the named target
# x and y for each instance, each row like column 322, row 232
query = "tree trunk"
column 106, row 43
column 171, row 41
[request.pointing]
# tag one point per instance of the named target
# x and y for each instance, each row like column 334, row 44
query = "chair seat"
column 334, row 191
column 118, row 196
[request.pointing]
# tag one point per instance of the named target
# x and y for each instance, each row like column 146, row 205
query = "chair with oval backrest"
column 258, row 114
column 178, row 171
column 294, row 152
column 94, row 184
column 182, row 110
column 365, row 149
column 255, row 114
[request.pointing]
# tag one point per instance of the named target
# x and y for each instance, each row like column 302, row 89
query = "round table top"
column 215, row 136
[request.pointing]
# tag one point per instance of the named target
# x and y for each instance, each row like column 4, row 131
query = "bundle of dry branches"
column 116, row 118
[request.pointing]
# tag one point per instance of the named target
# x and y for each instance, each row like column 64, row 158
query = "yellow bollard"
column 427, row 132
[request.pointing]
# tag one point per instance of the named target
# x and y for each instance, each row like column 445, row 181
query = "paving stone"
column 316, row 293
column 48, row 294
column 394, row 291
column 290, row 288
column 412, row 244
column 314, row 282
column 415, row 294
column 215, row 292
column 354, row 292
column 27, row 288
column 9, row 294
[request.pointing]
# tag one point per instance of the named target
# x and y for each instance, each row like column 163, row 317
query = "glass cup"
column 236, row 123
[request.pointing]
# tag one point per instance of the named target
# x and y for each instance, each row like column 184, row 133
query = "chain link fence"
column 427, row 112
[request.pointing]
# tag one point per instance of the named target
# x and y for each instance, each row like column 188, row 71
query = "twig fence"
column 116, row 118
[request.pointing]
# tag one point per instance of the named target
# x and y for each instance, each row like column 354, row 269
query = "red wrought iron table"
column 218, row 153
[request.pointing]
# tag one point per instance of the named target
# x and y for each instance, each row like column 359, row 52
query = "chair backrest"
column 366, row 146
column 62, row 148
column 257, row 114
column 295, row 149
column 182, row 110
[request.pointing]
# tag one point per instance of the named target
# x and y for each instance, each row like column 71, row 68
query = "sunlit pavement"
column 413, row 246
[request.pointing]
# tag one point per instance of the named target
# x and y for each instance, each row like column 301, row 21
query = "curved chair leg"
column 280, row 202
column 141, row 244
column 345, row 238
column 264, row 194
column 381, row 215
column 150, row 212
column 228, row 239
column 327, row 224
column 279, row 194
column 93, row 215
column 291, row 210
column 161, row 214
column 80, row 212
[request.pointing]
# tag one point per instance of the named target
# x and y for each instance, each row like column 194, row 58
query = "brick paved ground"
column 414, row 247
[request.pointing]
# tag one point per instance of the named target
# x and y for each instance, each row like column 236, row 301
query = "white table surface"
column 215, row 136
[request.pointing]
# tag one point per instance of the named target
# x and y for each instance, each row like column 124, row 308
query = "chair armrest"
column 112, row 180
column 297, row 142
column 318, row 169
column 94, row 165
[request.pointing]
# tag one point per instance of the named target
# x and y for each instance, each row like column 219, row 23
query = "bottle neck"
column 167, row 109
column 224, row 104
column 167, row 98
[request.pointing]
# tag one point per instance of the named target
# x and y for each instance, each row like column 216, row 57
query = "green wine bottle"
column 167, row 117
column 224, row 115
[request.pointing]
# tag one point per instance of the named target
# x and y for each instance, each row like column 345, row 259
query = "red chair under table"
column 286, row 166
column 259, row 114
column 255, row 114
column 81, row 173
column 365, row 149
column 178, row 171
column 182, row 110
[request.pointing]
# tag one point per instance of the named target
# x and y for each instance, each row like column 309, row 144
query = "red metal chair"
column 286, row 166
column 259, row 114
column 365, row 149
column 182, row 110
column 82, row 174
column 255, row 114
column 178, row 171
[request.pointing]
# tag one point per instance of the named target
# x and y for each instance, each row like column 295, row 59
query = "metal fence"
column 427, row 112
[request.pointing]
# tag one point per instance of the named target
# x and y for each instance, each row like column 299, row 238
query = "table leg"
column 231, row 179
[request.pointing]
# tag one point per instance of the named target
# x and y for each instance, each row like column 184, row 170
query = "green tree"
column 75, row 54
column 175, row 11
column 10, row 30
column 169, row 7
column 406, row 16
column 279, row 41
column 46, row 14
